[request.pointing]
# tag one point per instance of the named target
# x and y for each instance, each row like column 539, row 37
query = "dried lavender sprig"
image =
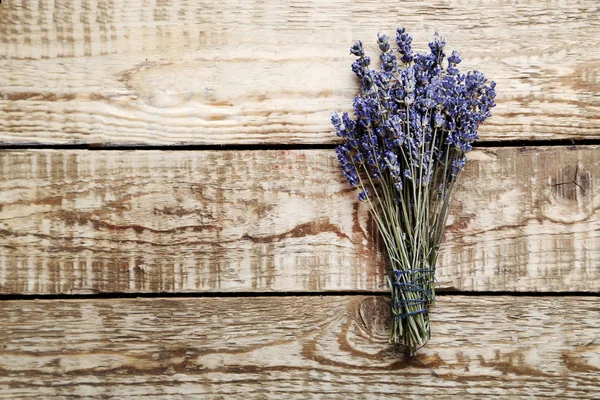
column 414, row 121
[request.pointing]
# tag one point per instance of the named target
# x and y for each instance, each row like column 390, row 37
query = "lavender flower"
column 403, row 148
column 383, row 42
column 363, row 194
column 357, row 49
column 454, row 58
column 437, row 49
column 403, row 40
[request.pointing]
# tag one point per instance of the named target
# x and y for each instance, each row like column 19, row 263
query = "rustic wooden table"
column 174, row 224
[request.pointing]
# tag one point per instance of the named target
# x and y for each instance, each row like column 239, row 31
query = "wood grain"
column 226, row 221
column 222, row 72
column 297, row 347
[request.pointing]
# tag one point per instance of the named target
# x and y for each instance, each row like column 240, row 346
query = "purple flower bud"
column 383, row 42
column 348, row 122
column 437, row 49
column 454, row 57
column 357, row 49
column 358, row 69
column 403, row 41
column 391, row 158
column 363, row 195
column 458, row 165
column 438, row 119
column 347, row 166
column 388, row 62
column 336, row 121
column 452, row 125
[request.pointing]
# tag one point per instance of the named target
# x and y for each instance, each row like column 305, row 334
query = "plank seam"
column 93, row 296
column 259, row 147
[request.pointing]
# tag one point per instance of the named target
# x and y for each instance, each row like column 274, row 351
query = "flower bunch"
column 414, row 121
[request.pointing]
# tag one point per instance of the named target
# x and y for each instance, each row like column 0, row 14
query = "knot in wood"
column 374, row 315
column 572, row 183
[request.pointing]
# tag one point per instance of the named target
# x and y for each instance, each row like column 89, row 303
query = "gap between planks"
column 211, row 295
column 273, row 146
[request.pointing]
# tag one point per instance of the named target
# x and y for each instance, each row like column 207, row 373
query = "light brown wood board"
column 248, row 72
column 297, row 348
column 77, row 222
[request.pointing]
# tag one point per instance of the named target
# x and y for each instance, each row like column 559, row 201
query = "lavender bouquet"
column 415, row 119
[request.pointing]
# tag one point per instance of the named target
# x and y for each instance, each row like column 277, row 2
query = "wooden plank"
column 154, row 221
column 297, row 347
column 171, row 73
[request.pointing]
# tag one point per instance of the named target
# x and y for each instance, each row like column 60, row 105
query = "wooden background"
column 173, row 223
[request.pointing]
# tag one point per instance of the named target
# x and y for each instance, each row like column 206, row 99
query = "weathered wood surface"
column 152, row 221
column 297, row 348
column 226, row 71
